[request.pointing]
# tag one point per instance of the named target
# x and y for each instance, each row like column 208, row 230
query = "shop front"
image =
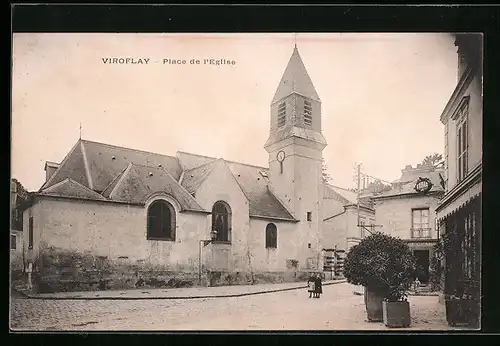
column 460, row 228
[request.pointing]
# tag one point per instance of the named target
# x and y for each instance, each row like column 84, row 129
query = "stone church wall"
column 80, row 245
column 264, row 259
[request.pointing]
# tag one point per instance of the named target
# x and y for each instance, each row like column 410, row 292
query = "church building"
column 110, row 217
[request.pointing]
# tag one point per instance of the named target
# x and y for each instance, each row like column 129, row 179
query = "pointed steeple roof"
column 295, row 79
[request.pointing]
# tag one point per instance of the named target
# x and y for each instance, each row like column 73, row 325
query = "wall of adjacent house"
column 475, row 127
column 395, row 214
column 332, row 207
column 335, row 232
column 16, row 255
column 30, row 254
column 342, row 230
column 354, row 233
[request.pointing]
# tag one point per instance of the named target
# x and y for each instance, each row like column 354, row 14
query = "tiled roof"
column 139, row 182
column 255, row 184
column 107, row 191
column 72, row 167
column 295, row 79
column 193, row 178
column 107, row 161
column 71, row 188
column 330, row 193
column 409, row 187
column 295, row 131
column 189, row 161
column 104, row 162
column 348, row 196
column 122, row 175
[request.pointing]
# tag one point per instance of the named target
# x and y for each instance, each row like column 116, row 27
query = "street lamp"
column 203, row 243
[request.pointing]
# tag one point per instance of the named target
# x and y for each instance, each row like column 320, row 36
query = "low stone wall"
column 246, row 278
column 59, row 270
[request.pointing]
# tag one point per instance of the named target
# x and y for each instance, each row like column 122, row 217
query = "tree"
column 326, row 176
column 20, row 196
column 435, row 160
column 383, row 264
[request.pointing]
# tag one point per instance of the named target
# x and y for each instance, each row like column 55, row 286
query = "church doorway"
column 423, row 262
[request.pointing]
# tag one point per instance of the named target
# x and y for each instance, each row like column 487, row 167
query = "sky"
column 382, row 96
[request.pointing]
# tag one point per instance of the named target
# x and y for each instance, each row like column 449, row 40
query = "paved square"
column 337, row 309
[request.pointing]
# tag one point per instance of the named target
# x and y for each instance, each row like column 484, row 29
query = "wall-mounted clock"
column 280, row 156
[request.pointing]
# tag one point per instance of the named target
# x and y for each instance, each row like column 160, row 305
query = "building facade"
column 345, row 223
column 18, row 195
column 459, row 211
column 408, row 211
column 113, row 217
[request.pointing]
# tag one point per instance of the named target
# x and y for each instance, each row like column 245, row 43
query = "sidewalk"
column 178, row 293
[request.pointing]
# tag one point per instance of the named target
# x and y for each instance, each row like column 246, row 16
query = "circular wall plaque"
column 423, row 185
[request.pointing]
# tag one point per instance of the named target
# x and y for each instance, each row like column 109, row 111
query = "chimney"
column 50, row 168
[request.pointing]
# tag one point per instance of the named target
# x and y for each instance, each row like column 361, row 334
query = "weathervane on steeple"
column 80, row 130
column 295, row 40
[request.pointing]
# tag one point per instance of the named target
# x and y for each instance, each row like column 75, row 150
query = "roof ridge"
column 127, row 148
column 120, row 180
column 114, row 179
column 148, row 166
column 246, row 164
column 338, row 187
column 48, row 190
column 168, row 176
column 58, row 169
column 200, row 166
column 85, row 187
column 54, row 186
column 204, row 156
column 218, row 158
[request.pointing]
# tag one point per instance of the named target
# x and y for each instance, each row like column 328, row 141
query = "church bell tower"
column 295, row 147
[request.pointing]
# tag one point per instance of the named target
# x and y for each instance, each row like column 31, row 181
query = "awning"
column 462, row 200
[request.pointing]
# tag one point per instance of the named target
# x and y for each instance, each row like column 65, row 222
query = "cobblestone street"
column 338, row 309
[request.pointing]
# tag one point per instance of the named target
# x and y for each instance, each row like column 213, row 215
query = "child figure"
column 416, row 285
column 311, row 283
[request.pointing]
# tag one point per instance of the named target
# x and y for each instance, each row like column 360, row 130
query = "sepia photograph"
column 246, row 181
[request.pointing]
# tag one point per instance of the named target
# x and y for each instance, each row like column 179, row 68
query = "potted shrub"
column 385, row 266
column 462, row 310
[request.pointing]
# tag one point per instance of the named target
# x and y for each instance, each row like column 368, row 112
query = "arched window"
column 271, row 236
column 221, row 221
column 161, row 221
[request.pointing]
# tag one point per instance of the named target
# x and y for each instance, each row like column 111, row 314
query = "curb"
column 180, row 297
column 21, row 293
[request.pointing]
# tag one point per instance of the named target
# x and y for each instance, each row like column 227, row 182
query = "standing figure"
column 416, row 285
column 311, row 286
column 318, row 286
